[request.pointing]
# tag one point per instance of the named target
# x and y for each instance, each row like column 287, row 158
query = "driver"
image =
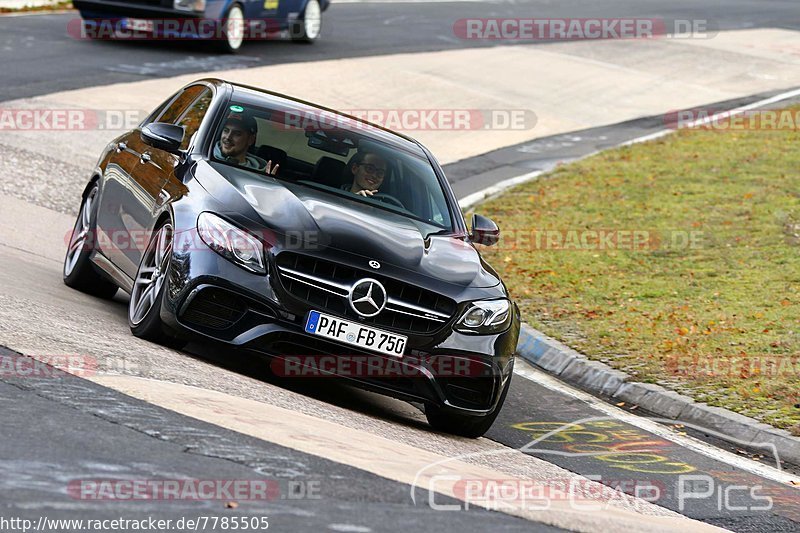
column 238, row 135
column 368, row 169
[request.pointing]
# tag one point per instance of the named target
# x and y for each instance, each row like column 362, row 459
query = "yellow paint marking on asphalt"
column 383, row 457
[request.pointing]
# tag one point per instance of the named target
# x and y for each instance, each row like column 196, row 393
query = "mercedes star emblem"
column 374, row 264
column 367, row 297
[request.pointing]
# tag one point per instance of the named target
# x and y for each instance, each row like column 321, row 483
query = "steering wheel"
column 389, row 199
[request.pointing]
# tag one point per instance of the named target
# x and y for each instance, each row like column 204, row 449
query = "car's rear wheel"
column 309, row 26
column 233, row 30
column 464, row 425
column 144, row 308
column 79, row 272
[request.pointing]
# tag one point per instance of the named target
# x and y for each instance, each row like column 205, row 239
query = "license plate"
column 139, row 25
column 339, row 329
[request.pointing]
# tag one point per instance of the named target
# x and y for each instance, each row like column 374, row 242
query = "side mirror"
column 167, row 137
column 484, row 231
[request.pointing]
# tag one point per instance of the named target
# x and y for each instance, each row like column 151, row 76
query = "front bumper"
column 210, row 297
column 105, row 9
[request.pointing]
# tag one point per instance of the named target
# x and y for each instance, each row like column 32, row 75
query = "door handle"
column 144, row 158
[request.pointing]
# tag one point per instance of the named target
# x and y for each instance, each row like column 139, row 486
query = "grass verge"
column 674, row 260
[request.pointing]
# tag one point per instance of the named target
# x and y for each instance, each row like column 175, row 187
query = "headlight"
column 485, row 316
column 232, row 243
column 190, row 5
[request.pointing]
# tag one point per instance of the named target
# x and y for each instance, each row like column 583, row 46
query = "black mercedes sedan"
column 330, row 245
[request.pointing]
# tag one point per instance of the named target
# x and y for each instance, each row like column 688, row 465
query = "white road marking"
column 701, row 122
column 527, row 371
column 394, row 20
column 349, row 528
column 208, row 64
column 475, row 198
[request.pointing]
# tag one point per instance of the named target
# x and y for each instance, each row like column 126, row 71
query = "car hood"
column 325, row 224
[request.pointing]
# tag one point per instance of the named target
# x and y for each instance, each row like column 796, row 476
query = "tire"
column 149, row 288
column 464, row 425
column 232, row 41
column 308, row 28
column 79, row 272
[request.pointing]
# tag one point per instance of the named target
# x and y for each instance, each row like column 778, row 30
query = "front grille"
column 325, row 285
column 293, row 345
column 158, row 3
column 214, row 308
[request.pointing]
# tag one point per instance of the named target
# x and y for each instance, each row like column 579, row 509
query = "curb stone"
column 600, row 379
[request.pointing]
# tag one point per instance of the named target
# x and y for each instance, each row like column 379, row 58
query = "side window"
column 176, row 108
column 193, row 116
column 159, row 110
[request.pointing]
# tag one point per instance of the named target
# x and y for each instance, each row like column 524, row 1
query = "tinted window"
column 180, row 103
column 193, row 116
column 333, row 154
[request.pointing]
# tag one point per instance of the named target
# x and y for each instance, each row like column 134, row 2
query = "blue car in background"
column 228, row 23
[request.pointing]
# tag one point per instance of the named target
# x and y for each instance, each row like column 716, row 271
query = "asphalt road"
column 51, row 442
column 39, row 57
column 76, row 437
column 581, row 438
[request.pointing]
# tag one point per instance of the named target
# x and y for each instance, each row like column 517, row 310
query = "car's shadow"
column 331, row 390
column 334, row 391
column 264, row 48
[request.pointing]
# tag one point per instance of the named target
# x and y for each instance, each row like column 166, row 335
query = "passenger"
column 238, row 135
column 368, row 170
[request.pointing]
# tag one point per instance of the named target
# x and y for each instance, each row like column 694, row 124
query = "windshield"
column 335, row 155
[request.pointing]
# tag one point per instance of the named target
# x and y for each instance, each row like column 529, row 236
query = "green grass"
column 731, row 302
